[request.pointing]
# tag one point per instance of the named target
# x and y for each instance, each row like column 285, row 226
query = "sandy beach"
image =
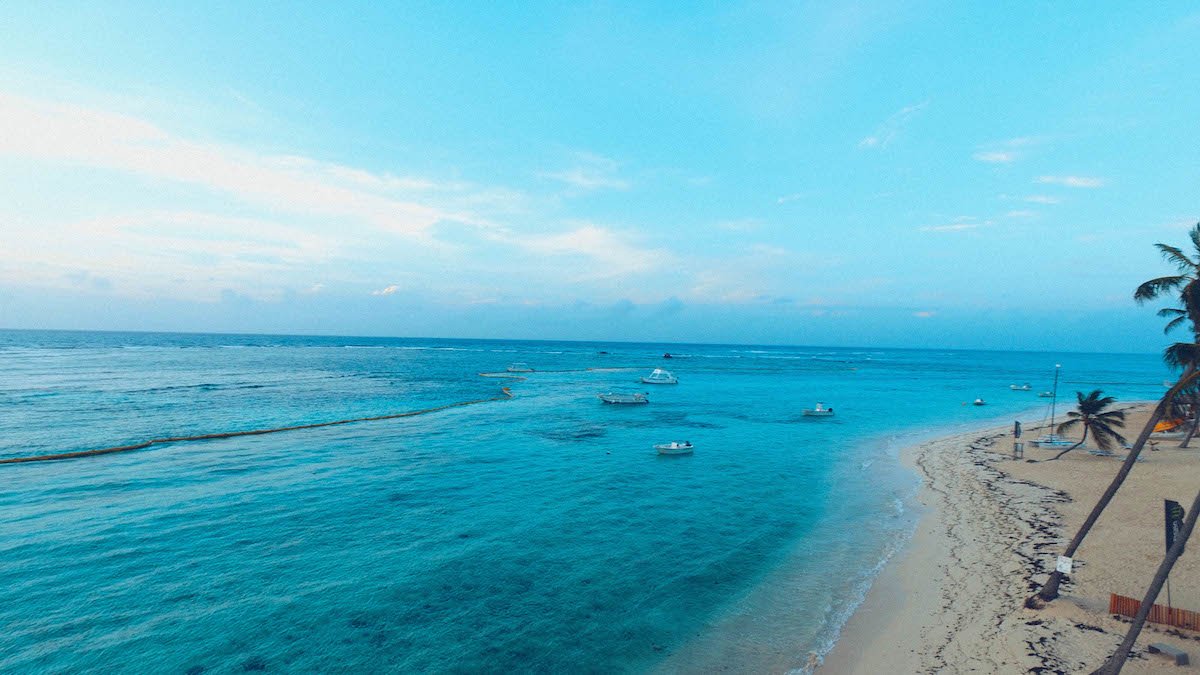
column 993, row 527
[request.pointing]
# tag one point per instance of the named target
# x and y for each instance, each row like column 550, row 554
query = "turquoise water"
column 540, row 533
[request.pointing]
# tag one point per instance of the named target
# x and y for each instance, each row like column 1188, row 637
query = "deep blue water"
column 541, row 533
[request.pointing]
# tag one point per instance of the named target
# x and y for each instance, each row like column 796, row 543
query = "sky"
column 910, row 174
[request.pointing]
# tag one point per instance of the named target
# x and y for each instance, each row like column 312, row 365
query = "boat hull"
column 678, row 450
column 624, row 399
column 1052, row 441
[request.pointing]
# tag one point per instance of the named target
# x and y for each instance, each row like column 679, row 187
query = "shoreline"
column 989, row 531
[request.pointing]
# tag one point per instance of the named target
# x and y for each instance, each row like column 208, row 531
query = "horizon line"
column 561, row 340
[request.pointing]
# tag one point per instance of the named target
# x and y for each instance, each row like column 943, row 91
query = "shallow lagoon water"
column 538, row 533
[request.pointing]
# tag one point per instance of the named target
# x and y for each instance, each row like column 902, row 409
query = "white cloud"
column 611, row 253
column 741, row 225
column 386, row 291
column 996, row 156
column 84, row 136
column 182, row 254
column 1004, row 152
column 952, row 227
column 767, row 250
column 1042, row 199
column 1021, row 213
column 1071, row 181
column 591, row 172
column 891, row 127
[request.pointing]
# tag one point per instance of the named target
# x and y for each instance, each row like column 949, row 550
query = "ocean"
column 538, row 533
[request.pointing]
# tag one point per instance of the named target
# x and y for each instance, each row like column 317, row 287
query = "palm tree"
column 1181, row 355
column 1049, row 590
column 1187, row 283
column 1092, row 415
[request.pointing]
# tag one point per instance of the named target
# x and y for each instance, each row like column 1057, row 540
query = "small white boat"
column 1021, row 387
column 979, row 401
column 660, row 376
column 519, row 368
column 674, row 448
column 819, row 411
column 625, row 399
column 1046, row 394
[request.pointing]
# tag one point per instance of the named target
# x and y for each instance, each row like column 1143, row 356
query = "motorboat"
column 819, row 411
column 1020, row 387
column 979, row 401
column 667, row 355
column 1046, row 394
column 519, row 368
column 660, row 376
column 624, row 399
column 674, row 448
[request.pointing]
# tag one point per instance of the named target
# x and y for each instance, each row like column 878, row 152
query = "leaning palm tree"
column 1094, row 419
column 1187, row 284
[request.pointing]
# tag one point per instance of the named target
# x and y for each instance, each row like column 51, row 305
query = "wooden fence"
column 1170, row 616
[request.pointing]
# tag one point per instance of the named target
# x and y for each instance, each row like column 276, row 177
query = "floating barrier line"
column 253, row 432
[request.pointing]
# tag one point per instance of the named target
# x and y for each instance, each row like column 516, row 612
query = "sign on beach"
column 1173, row 520
column 1064, row 565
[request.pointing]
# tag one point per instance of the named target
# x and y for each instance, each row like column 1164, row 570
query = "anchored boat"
column 624, row 399
column 674, row 448
column 819, row 411
column 660, row 376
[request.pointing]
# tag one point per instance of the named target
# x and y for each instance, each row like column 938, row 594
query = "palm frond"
column 1156, row 287
column 1194, row 235
column 1068, row 425
column 1175, row 323
column 1171, row 311
column 1176, row 257
column 1181, row 354
column 1106, row 438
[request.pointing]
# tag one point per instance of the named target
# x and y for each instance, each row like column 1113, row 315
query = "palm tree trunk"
column 1117, row 660
column 1082, row 440
column 1049, row 591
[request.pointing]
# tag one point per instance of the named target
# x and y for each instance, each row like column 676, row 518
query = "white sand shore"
column 953, row 602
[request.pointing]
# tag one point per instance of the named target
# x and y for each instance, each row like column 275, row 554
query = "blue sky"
column 976, row 175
